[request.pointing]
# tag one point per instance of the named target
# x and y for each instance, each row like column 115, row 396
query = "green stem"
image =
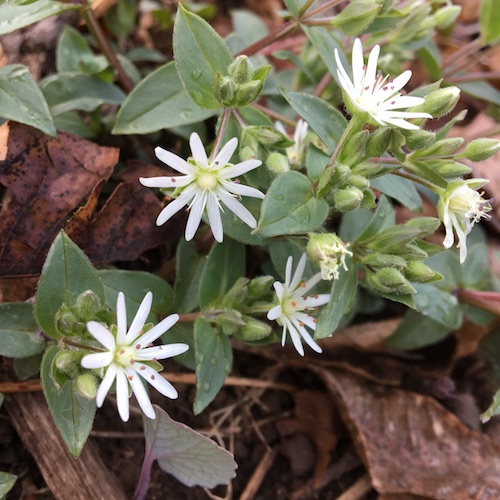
column 83, row 347
column 220, row 133
column 305, row 7
column 273, row 114
column 415, row 178
column 260, row 309
column 280, row 32
column 106, row 49
column 353, row 127
column 321, row 8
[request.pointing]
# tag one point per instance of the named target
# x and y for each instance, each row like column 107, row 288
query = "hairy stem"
column 274, row 36
column 220, row 133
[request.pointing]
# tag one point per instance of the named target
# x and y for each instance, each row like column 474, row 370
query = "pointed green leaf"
column 400, row 189
column 192, row 458
column 66, row 274
column 214, row 358
column 19, row 336
column 158, row 102
column 21, row 99
column 72, row 413
column 200, row 53
column 383, row 218
column 290, row 207
column 7, row 482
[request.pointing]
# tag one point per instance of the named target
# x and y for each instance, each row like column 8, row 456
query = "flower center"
column 207, row 180
column 125, row 355
column 367, row 102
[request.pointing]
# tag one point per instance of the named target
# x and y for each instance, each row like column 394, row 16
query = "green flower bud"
column 68, row 363
column 87, row 305
column 444, row 147
column 427, row 225
column 230, row 321
column 358, row 181
column 340, row 175
column 370, row 170
column 419, row 139
column 259, row 286
column 237, row 294
column 448, row 168
column 241, row 70
column 225, row 93
column 247, row 93
column 440, row 102
column 379, row 260
column 446, row 16
column 347, row 199
column 277, row 163
column 378, row 142
column 254, row 330
column 68, row 324
column 329, row 252
column 419, row 272
column 354, row 150
column 393, row 280
column 86, row 385
column 269, row 136
column 481, row 149
column 368, row 200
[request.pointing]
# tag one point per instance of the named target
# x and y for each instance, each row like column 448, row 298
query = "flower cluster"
column 294, row 307
column 129, row 356
column 204, row 186
column 330, row 252
column 375, row 98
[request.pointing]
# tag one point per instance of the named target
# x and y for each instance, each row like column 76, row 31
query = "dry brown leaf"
column 411, row 445
column 46, row 179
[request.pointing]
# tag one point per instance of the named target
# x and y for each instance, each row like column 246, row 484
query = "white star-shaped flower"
column 296, row 152
column 294, row 308
column 204, row 185
column 459, row 208
column 375, row 98
column 128, row 357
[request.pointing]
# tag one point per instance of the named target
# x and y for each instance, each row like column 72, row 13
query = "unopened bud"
column 259, row 286
column 419, row 139
column 225, row 93
column 440, row 102
column 247, row 92
column 86, row 385
column 347, row 199
column 419, row 272
column 277, row 163
column 230, row 321
column 378, row 142
column 395, row 281
column 237, row 294
column 241, row 70
column 68, row 362
column 380, row 260
column 87, row 305
column 358, row 181
column 481, row 149
column 444, row 147
column 368, row 201
column 254, row 330
column 448, row 168
column 446, row 16
column 68, row 324
column 269, row 136
column 354, row 150
column 340, row 175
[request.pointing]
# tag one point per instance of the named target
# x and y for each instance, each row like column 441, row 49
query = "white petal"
column 225, row 153
column 140, row 392
column 240, row 169
column 306, row 336
column 345, row 81
column 404, row 101
column 174, row 161
column 121, row 318
column 97, row 360
column 294, row 335
column 198, row 150
column 214, row 218
column 102, row 335
column 174, row 206
column 310, row 283
column 398, row 122
column 371, row 70
column 275, row 313
column 400, row 81
column 157, row 381
column 166, row 182
column 236, row 188
column 122, row 394
column 237, row 208
column 157, row 330
column 195, row 213
column 306, row 319
column 140, row 318
column 317, row 300
column 288, row 272
column 299, row 272
column 105, row 385
column 279, row 289
column 163, row 351
column 357, row 63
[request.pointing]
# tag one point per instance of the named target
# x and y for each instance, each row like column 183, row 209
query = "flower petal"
column 214, row 218
column 122, row 394
column 157, row 330
column 242, row 190
column 140, row 392
column 237, row 208
column 196, row 210
column 121, row 318
column 225, row 154
column 174, row 206
column 163, row 351
column 140, row 318
column 174, row 161
column 239, row 169
column 102, row 335
column 299, row 272
column 198, row 151
column 358, row 64
column 166, row 181
column 105, row 385
column 157, row 381
column 275, row 313
column 97, row 360
column 306, row 336
column 295, row 336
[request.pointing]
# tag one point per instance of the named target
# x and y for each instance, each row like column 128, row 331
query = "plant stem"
column 321, row 8
column 143, row 483
column 390, row 161
column 415, row 178
column 220, row 133
column 273, row 114
column 471, row 77
column 95, row 29
column 189, row 317
column 352, row 127
column 260, row 309
column 305, row 7
column 274, row 36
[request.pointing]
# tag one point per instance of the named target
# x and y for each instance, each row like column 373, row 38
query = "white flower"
column 330, row 252
column 459, row 208
column 296, row 152
column 373, row 97
column 293, row 309
column 204, row 186
column 129, row 355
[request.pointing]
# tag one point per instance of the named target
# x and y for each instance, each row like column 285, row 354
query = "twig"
column 259, row 474
column 358, row 490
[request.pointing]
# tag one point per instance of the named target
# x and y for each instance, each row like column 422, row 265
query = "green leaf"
column 285, row 214
column 189, row 270
column 200, row 53
column 416, row 331
column 356, row 16
column 383, row 218
column 21, row 99
column 482, row 90
column 182, row 333
column 441, row 306
column 328, row 123
column 476, row 270
column 158, row 102
column 72, row 413
column 17, row 14
column 26, row 368
column 7, row 482
column 69, row 91
column 192, row 458
column 342, row 297
column 66, row 274
column 399, row 189
column 225, row 264
column 135, row 285
column 493, row 409
column 214, row 358
column 489, row 21
column 18, row 331
column 294, row 6
column 281, row 249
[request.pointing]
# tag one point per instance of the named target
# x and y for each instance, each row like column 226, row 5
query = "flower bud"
column 68, row 363
column 448, row 168
column 358, row 181
column 340, row 175
column 419, row 139
column 347, row 199
column 269, row 136
column 369, row 170
column 254, row 330
column 247, row 93
column 329, row 252
column 379, row 260
column 393, row 280
column 446, row 16
column 277, row 163
column 230, row 321
column 68, row 324
column 237, row 294
column 241, row 70
column 378, row 142
column 440, row 102
column 258, row 286
column 225, row 92
column 87, row 305
column 481, row 149
column 419, row 272
column 353, row 150
column 368, row 201
column 86, row 385
column 444, row 147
